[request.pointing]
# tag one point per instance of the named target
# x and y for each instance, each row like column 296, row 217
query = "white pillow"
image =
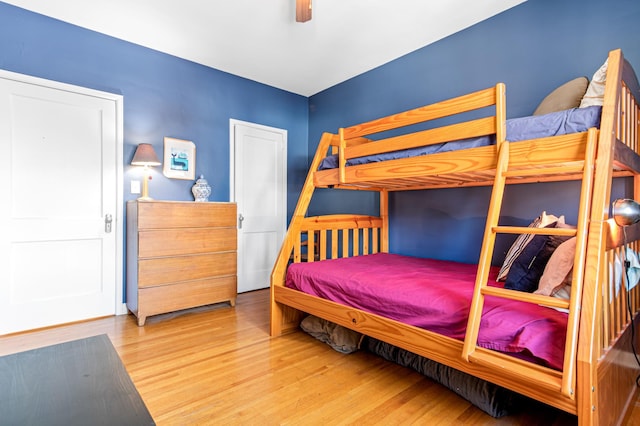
column 595, row 91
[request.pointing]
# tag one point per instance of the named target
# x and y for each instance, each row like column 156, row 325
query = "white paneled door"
column 59, row 215
column 258, row 186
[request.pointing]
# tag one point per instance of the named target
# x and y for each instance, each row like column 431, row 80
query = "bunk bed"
column 590, row 373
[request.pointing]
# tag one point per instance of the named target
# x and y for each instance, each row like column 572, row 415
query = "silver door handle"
column 240, row 220
column 107, row 223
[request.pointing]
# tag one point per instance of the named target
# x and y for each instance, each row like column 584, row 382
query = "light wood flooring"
column 217, row 365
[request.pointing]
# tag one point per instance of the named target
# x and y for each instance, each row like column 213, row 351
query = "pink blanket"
column 435, row 295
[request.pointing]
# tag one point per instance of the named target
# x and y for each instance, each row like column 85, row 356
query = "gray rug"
column 82, row 382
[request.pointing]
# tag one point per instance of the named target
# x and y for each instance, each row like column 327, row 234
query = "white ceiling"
column 260, row 40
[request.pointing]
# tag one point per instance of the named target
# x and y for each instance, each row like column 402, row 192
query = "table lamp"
column 626, row 212
column 145, row 156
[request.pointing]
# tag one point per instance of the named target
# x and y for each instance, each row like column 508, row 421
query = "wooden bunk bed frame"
column 598, row 379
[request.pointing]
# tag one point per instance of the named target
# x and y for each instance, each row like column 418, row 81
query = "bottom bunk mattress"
column 435, row 295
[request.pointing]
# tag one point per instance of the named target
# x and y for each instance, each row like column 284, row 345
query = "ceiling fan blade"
column 303, row 10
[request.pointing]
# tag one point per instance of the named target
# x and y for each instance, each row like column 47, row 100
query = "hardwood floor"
column 218, row 365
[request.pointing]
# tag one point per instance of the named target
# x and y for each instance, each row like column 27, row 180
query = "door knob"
column 107, row 223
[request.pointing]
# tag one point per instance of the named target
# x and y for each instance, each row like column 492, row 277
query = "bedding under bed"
column 569, row 121
column 490, row 398
column 435, row 295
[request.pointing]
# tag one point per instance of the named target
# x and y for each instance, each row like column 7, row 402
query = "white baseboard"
column 121, row 309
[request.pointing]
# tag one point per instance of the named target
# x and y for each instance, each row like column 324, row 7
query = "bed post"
column 282, row 316
column 342, row 162
column 501, row 114
column 590, row 316
column 384, row 215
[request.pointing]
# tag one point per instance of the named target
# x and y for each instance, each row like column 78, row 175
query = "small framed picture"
column 179, row 159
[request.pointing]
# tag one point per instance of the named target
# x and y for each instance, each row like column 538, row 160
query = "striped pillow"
column 523, row 239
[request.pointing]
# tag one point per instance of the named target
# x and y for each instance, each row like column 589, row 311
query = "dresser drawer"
column 155, row 215
column 170, row 242
column 165, row 270
column 166, row 298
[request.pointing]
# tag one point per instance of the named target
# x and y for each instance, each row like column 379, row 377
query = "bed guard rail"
column 354, row 141
column 334, row 236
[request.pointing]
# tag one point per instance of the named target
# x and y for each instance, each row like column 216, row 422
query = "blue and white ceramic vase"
column 201, row 190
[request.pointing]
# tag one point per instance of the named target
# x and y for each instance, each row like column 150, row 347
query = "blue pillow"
column 527, row 269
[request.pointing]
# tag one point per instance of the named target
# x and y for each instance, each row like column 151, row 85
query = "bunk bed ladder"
column 566, row 382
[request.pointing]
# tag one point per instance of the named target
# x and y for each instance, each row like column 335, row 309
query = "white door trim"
column 120, row 306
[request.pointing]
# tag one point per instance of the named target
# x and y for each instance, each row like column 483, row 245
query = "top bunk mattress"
column 565, row 122
column 435, row 295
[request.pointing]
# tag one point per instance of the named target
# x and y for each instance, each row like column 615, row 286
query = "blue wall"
column 533, row 48
column 163, row 96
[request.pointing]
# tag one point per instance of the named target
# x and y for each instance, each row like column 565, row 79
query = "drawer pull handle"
column 240, row 220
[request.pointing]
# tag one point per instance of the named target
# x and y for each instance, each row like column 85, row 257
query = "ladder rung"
column 564, row 232
column 545, row 171
column 552, row 302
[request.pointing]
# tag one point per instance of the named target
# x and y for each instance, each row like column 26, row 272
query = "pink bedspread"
column 434, row 295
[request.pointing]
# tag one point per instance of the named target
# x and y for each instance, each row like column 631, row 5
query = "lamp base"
column 145, row 186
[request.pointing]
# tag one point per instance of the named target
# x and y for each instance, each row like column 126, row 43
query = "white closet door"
column 260, row 182
column 58, row 185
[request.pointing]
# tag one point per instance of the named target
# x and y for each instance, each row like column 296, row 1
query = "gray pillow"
column 567, row 96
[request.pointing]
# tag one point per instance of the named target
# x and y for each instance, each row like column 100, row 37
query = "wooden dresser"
column 179, row 255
